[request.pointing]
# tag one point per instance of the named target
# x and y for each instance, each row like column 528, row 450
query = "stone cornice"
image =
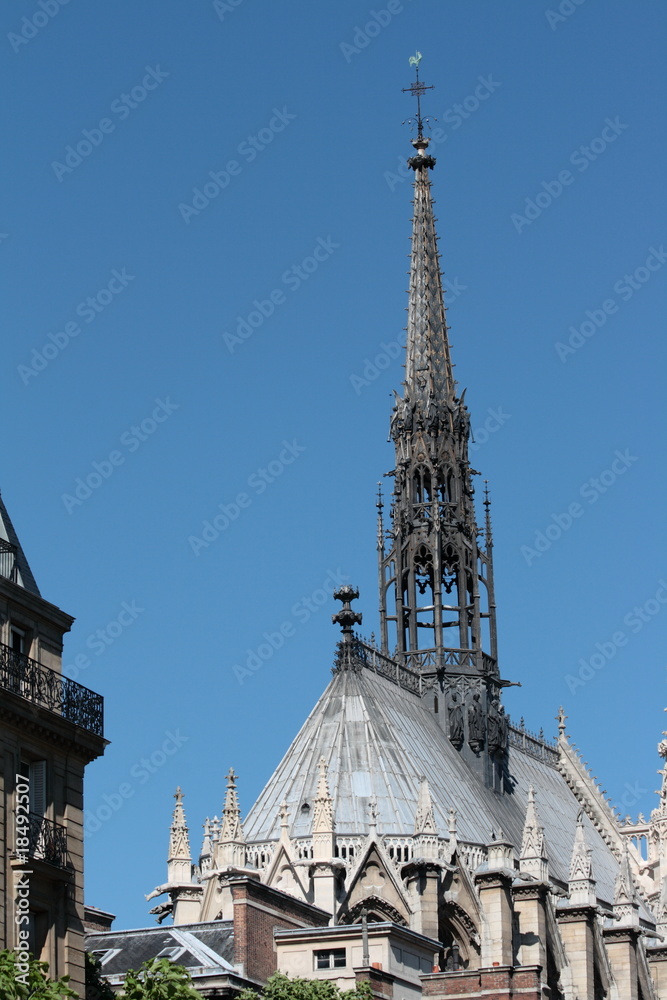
column 51, row 727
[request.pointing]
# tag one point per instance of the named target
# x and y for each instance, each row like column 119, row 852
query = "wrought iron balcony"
column 47, row 841
column 46, row 687
column 8, row 567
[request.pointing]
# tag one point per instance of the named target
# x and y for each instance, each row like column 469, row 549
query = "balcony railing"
column 46, row 687
column 47, row 841
column 7, row 560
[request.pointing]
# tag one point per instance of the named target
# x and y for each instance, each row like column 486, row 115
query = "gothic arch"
column 378, row 910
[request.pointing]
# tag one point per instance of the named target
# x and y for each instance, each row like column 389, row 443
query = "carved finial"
column 488, row 533
column 380, row 506
column 346, row 617
column 561, row 719
column 284, row 815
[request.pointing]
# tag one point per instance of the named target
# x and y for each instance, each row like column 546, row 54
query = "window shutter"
column 38, row 787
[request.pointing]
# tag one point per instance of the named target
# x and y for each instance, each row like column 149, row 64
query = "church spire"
column 435, row 570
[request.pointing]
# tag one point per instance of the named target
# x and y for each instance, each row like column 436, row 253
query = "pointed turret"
column 185, row 893
column 205, row 855
column 533, row 860
column 179, row 861
column 581, row 882
column 231, row 846
column 626, row 901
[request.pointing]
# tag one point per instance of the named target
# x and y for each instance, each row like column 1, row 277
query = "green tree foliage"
column 17, row 983
column 159, row 979
column 281, row 987
column 97, row 988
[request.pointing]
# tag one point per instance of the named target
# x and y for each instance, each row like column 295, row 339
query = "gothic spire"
column 438, row 574
column 626, row 906
column 428, row 373
column 231, row 846
column 179, row 861
column 533, row 858
column 581, row 882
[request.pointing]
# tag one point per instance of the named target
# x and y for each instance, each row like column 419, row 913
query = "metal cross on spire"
column 417, row 89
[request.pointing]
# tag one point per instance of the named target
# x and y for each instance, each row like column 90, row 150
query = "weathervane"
column 417, row 89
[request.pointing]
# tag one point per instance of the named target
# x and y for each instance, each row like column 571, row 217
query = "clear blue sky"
column 297, row 108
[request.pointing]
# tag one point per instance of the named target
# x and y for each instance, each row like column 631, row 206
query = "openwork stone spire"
column 436, row 581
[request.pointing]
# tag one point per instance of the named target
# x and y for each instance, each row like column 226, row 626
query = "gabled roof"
column 14, row 565
column 379, row 740
column 207, row 948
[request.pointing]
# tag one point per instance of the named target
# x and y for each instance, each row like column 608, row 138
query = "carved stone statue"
column 455, row 719
column 495, row 728
column 475, row 725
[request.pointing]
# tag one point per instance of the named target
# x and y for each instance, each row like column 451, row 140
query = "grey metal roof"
column 379, row 740
column 205, row 947
column 24, row 575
